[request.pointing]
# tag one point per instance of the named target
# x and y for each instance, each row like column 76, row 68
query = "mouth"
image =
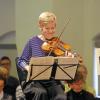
column 50, row 33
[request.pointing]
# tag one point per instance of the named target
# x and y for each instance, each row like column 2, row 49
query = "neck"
column 42, row 37
column 1, row 95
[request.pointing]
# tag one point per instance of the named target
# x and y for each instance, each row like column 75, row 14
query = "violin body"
column 56, row 46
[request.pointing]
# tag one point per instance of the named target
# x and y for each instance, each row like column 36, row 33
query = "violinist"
column 35, row 47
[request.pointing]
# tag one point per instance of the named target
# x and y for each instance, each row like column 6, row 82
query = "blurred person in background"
column 12, row 82
column 77, row 91
column 3, row 78
column 82, row 69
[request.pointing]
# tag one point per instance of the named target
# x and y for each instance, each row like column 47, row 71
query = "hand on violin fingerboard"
column 69, row 54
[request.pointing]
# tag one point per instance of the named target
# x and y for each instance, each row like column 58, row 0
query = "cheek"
column 72, row 86
column 75, row 87
column 43, row 30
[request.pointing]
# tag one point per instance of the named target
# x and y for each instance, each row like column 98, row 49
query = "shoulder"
column 88, row 95
column 70, row 92
column 12, row 79
column 31, row 40
column 89, row 89
column 34, row 38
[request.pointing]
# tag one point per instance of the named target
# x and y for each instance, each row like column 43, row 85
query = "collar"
column 41, row 37
column 1, row 95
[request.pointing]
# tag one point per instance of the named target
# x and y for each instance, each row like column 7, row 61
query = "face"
column 1, row 85
column 83, row 71
column 77, row 86
column 6, row 63
column 48, row 30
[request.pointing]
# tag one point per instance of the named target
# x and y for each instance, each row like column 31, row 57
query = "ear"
column 41, row 24
column 68, row 84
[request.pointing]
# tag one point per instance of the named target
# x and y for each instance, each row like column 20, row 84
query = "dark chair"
column 97, row 98
column 22, row 74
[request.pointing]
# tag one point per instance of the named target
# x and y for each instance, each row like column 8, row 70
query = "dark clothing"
column 19, row 93
column 7, row 97
column 83, row 95
column 36, row 91
column 11, row 85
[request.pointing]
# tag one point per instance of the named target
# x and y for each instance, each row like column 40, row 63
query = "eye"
column 47, row 28
column 52, row 28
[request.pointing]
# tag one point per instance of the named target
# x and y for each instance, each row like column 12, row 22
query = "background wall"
column 7, row 32
column 83, row 26
column 7, row 16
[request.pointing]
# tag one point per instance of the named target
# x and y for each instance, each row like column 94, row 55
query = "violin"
column 56, row 46
column 59, row 48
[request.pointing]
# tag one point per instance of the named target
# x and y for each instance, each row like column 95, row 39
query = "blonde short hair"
column 46, row 17
column 82, row 67
column 3, row 72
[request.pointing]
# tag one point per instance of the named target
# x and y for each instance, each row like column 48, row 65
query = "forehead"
column 50, row 24
column 1, row 81
column 82, row 69
column 5, row 61
column 80, row 82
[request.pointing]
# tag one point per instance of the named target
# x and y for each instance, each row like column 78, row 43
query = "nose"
column 51, row 31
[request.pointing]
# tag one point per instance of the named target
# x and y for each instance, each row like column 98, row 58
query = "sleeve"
column 25, row 57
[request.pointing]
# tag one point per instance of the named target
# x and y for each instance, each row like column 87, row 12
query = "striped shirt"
column 32, row 49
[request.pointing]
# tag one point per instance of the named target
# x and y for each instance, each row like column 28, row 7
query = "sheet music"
column 67, row 60
column 42, row 67
column 48, row 60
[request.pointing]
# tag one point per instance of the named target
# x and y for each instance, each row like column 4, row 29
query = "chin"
column 50, row 37
column 78, row 91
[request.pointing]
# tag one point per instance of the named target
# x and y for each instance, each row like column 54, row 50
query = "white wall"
column 8, row 38
column 7, row 31
column 7, row 16
column 91, row 28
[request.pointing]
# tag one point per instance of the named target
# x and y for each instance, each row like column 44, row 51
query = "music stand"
column 59, row 68
column 66, row 68
column 40, row 68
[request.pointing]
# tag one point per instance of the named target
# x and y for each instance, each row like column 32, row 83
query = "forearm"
column 22, row 63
